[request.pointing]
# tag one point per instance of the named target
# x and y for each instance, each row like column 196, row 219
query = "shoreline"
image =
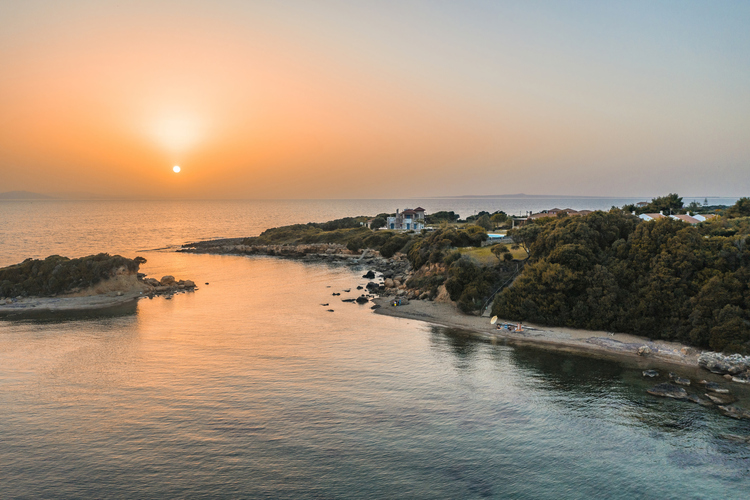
column 610, row 345
column 33, row 307
column 601, row 344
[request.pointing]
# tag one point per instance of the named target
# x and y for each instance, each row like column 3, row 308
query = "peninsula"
column 95, row 283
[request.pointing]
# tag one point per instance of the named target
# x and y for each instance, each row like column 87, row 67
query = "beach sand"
column 599, row 343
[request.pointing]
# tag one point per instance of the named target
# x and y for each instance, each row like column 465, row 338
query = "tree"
column 525, row 236
column 484, row 221
column 500, row 251
column 739, row 209
column 442, row 216
column 378, row 222
column 672, row 203
column 499, row 218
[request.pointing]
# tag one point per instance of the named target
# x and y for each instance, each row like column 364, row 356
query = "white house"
column 408, row 220
column 651, row 216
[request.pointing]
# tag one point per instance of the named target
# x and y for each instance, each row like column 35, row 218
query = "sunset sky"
column 386, row 99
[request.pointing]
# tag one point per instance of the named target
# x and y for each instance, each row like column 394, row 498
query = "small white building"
column 411, row 219
column 648, row 217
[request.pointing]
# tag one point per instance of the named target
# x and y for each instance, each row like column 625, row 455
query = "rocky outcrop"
column 735, row 365
column 167, row 285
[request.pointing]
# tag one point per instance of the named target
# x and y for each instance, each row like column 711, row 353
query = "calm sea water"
column 249, row 388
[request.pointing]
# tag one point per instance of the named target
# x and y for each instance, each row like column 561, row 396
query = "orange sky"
column 376, row 100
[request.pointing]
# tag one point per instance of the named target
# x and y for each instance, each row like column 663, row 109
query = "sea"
column 251, row 388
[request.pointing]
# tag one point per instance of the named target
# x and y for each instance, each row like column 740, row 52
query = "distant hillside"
column 23, row 195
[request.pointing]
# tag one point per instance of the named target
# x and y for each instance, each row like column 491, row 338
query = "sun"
column 176, row 169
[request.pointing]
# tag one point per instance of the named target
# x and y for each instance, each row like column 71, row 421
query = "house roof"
column 655, row 216
column 686, row 218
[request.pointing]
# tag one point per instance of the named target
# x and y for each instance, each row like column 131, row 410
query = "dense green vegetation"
column 663, row 279
column 56, row 274
column 443, row 216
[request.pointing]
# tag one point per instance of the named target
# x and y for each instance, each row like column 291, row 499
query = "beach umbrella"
column 493, row 320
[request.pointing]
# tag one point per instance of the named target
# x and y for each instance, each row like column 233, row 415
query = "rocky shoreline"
column 112, row 294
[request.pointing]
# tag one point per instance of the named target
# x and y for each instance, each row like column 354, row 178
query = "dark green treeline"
column 662, row 279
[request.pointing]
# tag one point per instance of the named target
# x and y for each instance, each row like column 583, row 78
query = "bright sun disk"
column 176, row 169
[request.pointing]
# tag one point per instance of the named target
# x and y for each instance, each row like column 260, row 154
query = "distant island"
column 23, row 195
column 66, row 195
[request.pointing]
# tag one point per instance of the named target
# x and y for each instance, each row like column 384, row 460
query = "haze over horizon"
column 375, row 99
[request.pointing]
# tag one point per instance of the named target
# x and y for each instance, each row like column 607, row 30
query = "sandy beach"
column 599, row 343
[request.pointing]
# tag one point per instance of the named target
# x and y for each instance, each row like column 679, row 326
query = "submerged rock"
column 696, row 399
column 735, row 412
column 736, row 437
column 714, row 387
column 362, row 300
column 667, row 390
column 650, row 373
column 679, row 380
column 721, row 399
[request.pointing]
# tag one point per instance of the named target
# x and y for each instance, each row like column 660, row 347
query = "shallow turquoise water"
column 249, row 388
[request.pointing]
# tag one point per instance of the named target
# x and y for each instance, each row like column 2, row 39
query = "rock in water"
column 369, row 275
column 695, row 399
column 679, row 380
column 167, row 280
column 376, row 306
column 714, row 387
column 667, row 390
column 362, row 300
column 650, row 373
column 735, row 412
column 721, row 399
column 735, row 437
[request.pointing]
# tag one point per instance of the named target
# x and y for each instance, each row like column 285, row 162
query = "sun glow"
column 176, row 169
column 177, row 133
